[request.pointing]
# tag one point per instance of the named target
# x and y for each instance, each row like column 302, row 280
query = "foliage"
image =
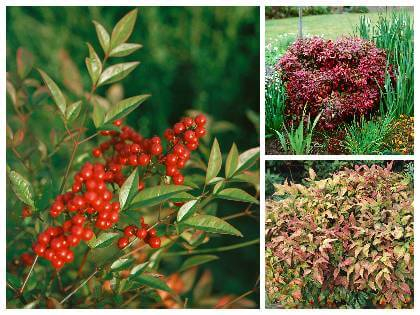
column 368, row 136
column 133, row 183
column 299, row 140
column 340, row 78
column 277, row 47
column 395, row 34
column 401, row 140
column 344, row 241
column 275, row 103
column 194, row 51
column 273, row 12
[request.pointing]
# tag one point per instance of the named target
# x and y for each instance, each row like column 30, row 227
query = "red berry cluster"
column 90, row 199
column 183, row 138
column 130, row 148
column 143, row 233
column 54, row 243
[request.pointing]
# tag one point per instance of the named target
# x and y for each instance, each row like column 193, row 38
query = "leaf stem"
column 211, row 250
column 79, row 287
column 20, row 292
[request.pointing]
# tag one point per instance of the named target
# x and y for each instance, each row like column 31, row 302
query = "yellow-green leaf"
column 197, row 260
column 211, row 224
column 93, row 64
column 236, row 194
column 123, row 28
column 55, row 91
column 215, row 162
column 231, row 161
column 117, row 72
column 124, row 49
column 103, row 36
column 124, row 107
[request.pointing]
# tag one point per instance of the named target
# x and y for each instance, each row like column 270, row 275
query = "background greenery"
column 201, row 58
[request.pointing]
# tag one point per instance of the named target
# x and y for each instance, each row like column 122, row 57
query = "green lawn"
column 330, row 25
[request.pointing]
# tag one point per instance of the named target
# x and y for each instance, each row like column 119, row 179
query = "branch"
column 20, row 292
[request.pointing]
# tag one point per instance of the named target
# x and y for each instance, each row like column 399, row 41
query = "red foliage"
column 342, row 78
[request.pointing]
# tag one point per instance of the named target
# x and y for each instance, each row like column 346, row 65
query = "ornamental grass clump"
column 341, row 78
column 345, row 241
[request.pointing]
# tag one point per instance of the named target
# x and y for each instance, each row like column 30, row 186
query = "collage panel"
column 339, row 80
column 132, row 185
column 339, row 234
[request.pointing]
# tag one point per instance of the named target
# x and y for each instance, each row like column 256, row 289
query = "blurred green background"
column 206, row 58
column 201, row 58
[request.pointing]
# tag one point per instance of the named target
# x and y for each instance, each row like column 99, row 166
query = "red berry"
column 179, row 128
column 69, row 257
column 179, row 149
column 77, row 230
column 135, row 148
column 91, row 184
column 87, row 234
column 200, row 120
column 79, row 202
column 78, row 219
column 115, row 206
column 151, row 232
column 200, row 132
column 192, row 146
column 154, row 242
column 43, row 238
column 49, row 254
column 56, row 243
column 132, row 160
column 67, row 225
column 143, row 159
column 171, row 170
column 189, row 136
column 140, row 186
column 39, row 249
column 72, row 240
column 188, row 122
column 123, row 242
column 178, row 179
column 130, row 230
column 141, row 233
column 114, row 217
column 57, row 263
column 107, row 195
column 26, row 212
column 27, row 259
column 96, row 152
column 118, row 122
column 171, row 159
column 156, row 149
column 168, row 134
column 101, row 224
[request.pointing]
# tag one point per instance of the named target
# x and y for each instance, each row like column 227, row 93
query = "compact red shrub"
column 342, row 78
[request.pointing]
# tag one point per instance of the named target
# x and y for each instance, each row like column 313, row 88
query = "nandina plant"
column 341, row 78
column 344, row 241
column 126, row 206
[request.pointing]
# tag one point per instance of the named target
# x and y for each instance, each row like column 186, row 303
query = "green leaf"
column 197, row 260
column 93, row 64
column 116, row 72
column 211, row 224
column 124, row 107
column 123, row 28
column 21, row 187
column 154, row 195
column 73, row 111
column 186, row 209
column 121, row 264
column 247, row 159
column 24, row 62
column 103, row 36
column 55, row 91
column 124, row 49
column 104, row 240
column 137, row 270
column 98, row 115
column 231, row 161
column 129, row 188
column 215, row 162
column 153, row 282
column 236, row 194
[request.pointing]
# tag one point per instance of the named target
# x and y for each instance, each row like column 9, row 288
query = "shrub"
column 402, row 138
column 344, row 241
column 342, row 78
column 291, row 11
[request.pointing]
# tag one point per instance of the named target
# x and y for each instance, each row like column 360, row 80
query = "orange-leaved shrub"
column 344, row 241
